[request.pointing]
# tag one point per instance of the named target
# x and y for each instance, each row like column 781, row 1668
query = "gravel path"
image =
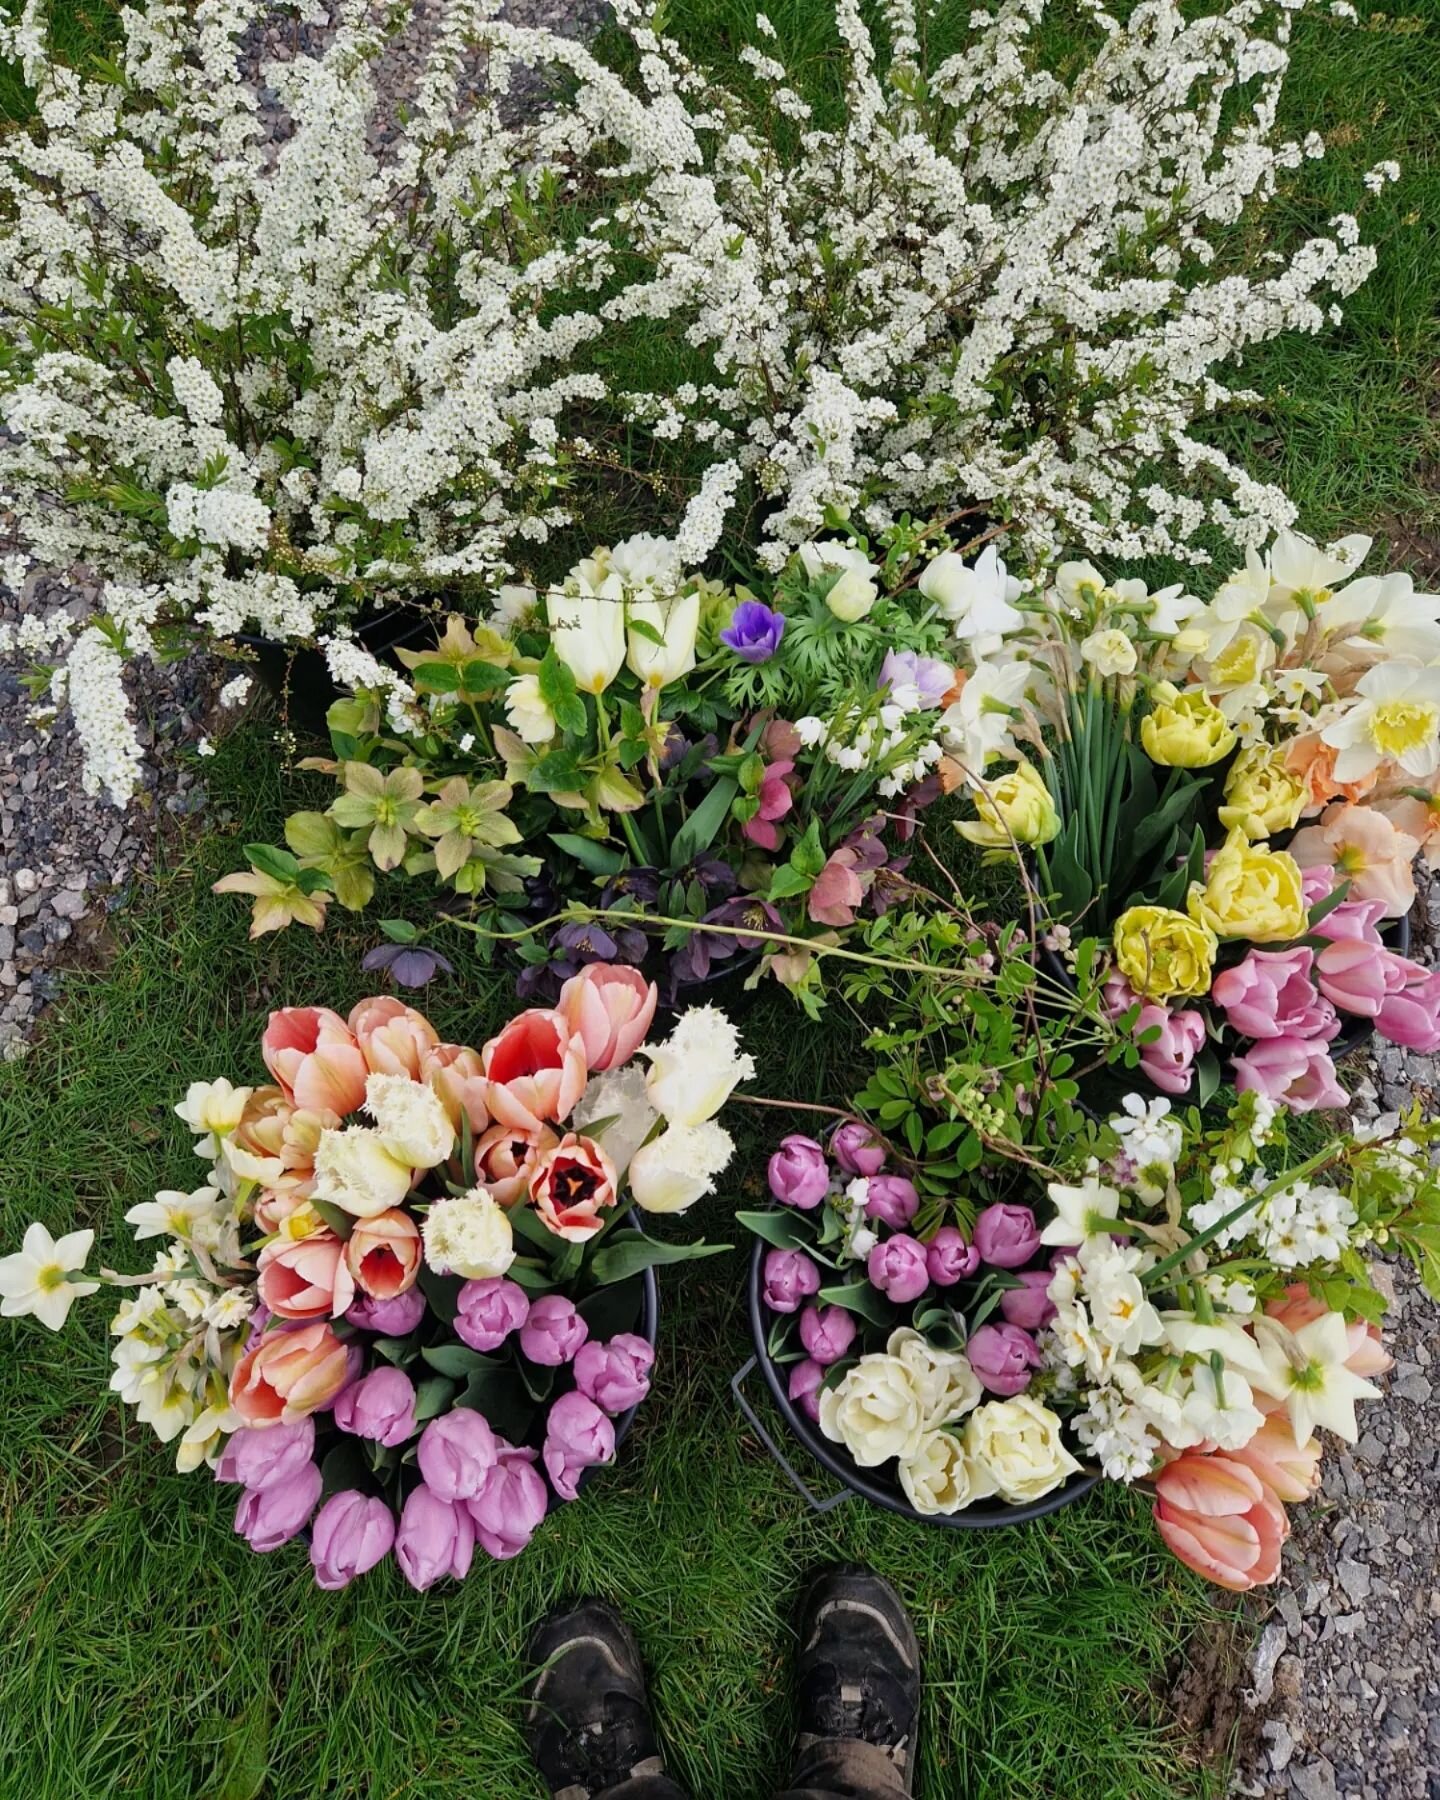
column 1345, row 1694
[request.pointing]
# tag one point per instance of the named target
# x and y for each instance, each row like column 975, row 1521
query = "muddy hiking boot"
column 859, row 1671
column 588, row 1723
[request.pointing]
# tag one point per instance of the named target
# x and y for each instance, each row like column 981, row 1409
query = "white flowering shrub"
column 261, row 386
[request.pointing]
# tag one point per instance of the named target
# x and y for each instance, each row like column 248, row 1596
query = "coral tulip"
column 383, row 1254
column 307, row 1278
column 394, row 1039
column 571, row 1186
column 289, row 1374
column 313, row 1055
column 1291, row 1471
column 458, row 1077
column 611, row 1006
column 536, row 1069
column 1221, row 1520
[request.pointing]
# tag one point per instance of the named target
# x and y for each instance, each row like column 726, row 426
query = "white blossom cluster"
column 1298, row 1224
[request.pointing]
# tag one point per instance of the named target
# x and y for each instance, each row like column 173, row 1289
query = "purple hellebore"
column 410, row 965
column 754, row 631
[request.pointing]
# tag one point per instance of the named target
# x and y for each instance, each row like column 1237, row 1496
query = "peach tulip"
column 1221, row 1520
column 274, row 1143
column 289, row 1374
column 1367, row 1355
column 505, row 1158
column 383, row 1254
column 1365, row 848
column 611, row 1006
column 536, row 1070
column 571, row 1185
column 306, row 1278
column 313, row 1054
column 458, row 1077
column 394, row 1039
column 1419, row 818
column 1291, row 1471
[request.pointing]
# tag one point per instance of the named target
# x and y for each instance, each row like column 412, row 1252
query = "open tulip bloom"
column 650, row 750
column 397, row 1311
column 1180, row 1307
column 1233, row 792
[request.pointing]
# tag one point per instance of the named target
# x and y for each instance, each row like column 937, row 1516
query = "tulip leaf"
column 703, row 826
column 525, row 1223
column 630, row 1255
column 432, row 1397
column 530, row 1276
column 336, row 1217
column 395, row 1350
column 599, row 859
column 442, row 1292
column 1207, row 1075
column 782, row 1229
column 345, row 1467
column 613, row 1309
column 539, row 1380
column 860, row 1297
column 457, row 1360
column 500, row 1400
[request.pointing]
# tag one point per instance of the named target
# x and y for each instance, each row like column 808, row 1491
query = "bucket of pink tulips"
column 406, row 1311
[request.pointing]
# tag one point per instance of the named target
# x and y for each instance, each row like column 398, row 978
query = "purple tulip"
column 381, row 1406
column 1006, row 1236
column 1293, row 1072
column 856, row 1148
column 1168, row 1057
column 891, row 1199
column 1271, row 994
column 511, row 1503
column 898, row 1268
column 1029, row 1306
column 826, row 1333
column 804, row 1388
column 351, row 1533
column 754, row 631
column 790, row 1277
column 578, row 1436
column 269, row 1517
column 262, row 1456
column 553, row 1332
column 436, row 1538
column 616, row 1376
column 489, row 1311
column 456, row 1452
column 949, row 1258
column 1003, row 1357
column 397, row 1317
column 799, row 1175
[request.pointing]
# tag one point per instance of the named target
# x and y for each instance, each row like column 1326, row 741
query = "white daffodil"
column 1187, row 1336
column 978, row 725
column 35, row 1282
column 1080, row 1212
column 1386, row 618
column 212, row 1110
column 1220, row 1409
column 1303, row 575
column 172, row 1214
column 587, row 630
column 976, row 600
column 1306, row 1369
column 1121, row 1315
column 1396, row 719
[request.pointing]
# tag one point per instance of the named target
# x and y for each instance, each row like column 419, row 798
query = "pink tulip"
column 392, row 1318
column 1272, row 994
column 553, row 1332
column 578, row 1436
column 288, row 1374
column 313, row 1054
column 571, row 1187
column 798, row 1174
column 394, row 1039
column 270, row 1516
column 259, row 1456
column 1221, row 1520
column 949, row 1258
column 789, row 1277
column 827, row 1333
column 383, row 1254
column 857, row 1149
column 436, row 1538
column 898, row 1268
column 511, row 1503
column 1365, row 848
column 1354, row 920
column 457, row 1075
column 489, row 1311
column 1006, row 1235
column 536, row 1069
column 1167, row 1057
column 611, row 1006
column 1292, row 1072
column 1316, row 884
column 1030, row 1304
column 804, row 1388
column 352, row 1532
column 1291, row 1471
column 1410, row 1015
column 1366, row 1356
column 380, row 1406
column 1004, row 1357
column 775, row 800
column 456, row 1452
column 1353, row 974
column 615, row 1375
column 892, row 1200
column 305, row 1278
column 505, row 1159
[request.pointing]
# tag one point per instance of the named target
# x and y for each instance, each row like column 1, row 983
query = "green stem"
column 1233, row 1217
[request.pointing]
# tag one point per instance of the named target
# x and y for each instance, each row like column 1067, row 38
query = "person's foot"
column 588, row 1723
column 859, row 1666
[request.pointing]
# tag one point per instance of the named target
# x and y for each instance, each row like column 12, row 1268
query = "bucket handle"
column 736, row 1384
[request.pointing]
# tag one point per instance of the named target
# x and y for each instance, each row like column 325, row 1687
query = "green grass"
column 146, row 1652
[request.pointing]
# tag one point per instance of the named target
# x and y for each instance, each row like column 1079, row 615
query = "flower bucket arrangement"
column 1233, row 792
column 421, row 1332
column 649, row 750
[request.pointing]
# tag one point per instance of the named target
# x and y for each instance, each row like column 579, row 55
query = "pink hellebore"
column 1166, row 1059
column 578, row 1436
column 352, row 1532
column 436, row 1538
column 1293, row 1072
column 511, row 1503
column 838, row 890
column 1272, row 994
column 611, row 1006
column 775, row 802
